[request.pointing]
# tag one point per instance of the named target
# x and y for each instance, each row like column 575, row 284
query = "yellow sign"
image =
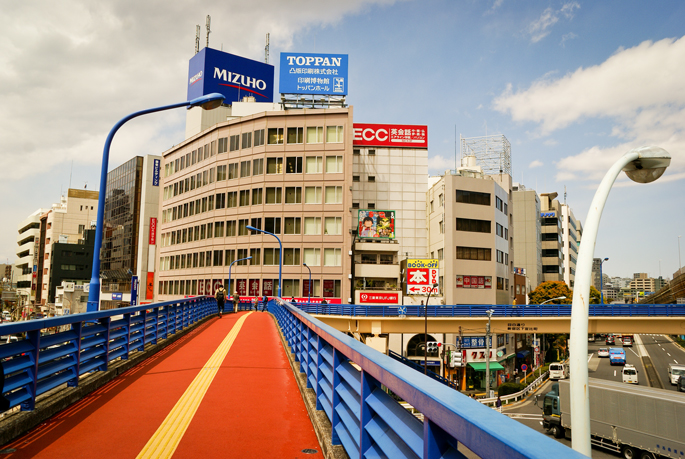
column 421, row 263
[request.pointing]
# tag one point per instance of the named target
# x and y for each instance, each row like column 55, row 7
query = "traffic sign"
column 524, row 367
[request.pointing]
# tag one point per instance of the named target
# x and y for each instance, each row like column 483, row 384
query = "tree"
column 551, row 289
column 595, row 297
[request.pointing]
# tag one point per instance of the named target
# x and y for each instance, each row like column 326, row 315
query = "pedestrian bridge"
column 174, row 379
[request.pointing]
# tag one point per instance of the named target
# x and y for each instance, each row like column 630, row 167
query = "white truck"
column 675, row 371
column 635, row 421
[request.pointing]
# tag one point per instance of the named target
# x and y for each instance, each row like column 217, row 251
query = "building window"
column 272, row 225
column 334, row 164
column 259, row 137
column 242, row 254
column 355, row 205
column 233, row 172
column 255, row 223
column 332, row 257
column 473, row 197
column 271, row 256
column 371, row 205
column 291, row 257
column 333, row 225
column 220, row 175
column 223, row 146
column 292, row 225
column 220, row 201
column 81, row 228
column 293, row 165
column 256, row 256
column 440, row 255
column 274, row 165
column 315, row 134
column 273, row 195
column 229, row 256
column 242, row 227
column 355, row 178
column 474, row 226
column 334, row 134
column 356, row 152
column 372, row 178
column 219, row 229
column 258, row 166
column 474, row 253
column 230, row 228
column 500, row 283
column 333, row 195
column 256, row 196
column 218, row 258
column 295, row 135
column 313, row 164
column 247, row 140
column 275, row 136
column 312, row 257
column 235, row 142
column 442, row 227
column 232, row 199
column 245, row 168
column 291, row 287
column 244, row 198
column 312, row 195
column 293, row 195
column 312, row 225
column 372, row 152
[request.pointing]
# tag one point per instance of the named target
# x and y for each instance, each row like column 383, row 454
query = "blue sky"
column 572, row 85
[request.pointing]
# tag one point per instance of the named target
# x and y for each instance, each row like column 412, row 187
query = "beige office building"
column 572, row 231
column 285, row 172
column 528, row 234
column 470, row 233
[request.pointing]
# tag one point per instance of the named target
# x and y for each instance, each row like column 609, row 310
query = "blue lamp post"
column 601, row 281
column 310, row 284
column 229, row 271
column 280, row 254
column 208, row 102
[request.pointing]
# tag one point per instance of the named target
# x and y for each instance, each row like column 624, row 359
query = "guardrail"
column 349, row 377
column 41, row 362
column 501, row 310
column 518, row 395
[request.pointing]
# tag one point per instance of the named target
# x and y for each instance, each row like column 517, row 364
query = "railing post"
column 304, row 363
column 435, row 440
column 338, row 359
column 127, row 318
column 107, row 323
column 369, row 383
column 320, row 343
column 155, row 311
column 77, row 328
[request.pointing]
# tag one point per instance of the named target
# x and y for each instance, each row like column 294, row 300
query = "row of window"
column 274, row 136
column 473, row 197
column 231, row 228
column 501, row 231
column 502, row 257
column 251, row 287
column 265, row 256
column 255, row 196
column 293, row 165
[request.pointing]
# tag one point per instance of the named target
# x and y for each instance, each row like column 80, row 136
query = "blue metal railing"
column 415, row 365
column 43, row 361
column 348, row 378
column 501, row 310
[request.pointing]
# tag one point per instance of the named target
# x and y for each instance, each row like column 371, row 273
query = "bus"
column 617, row 356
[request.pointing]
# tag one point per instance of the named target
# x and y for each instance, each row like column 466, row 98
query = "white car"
column 603, row 352
column 629, row 374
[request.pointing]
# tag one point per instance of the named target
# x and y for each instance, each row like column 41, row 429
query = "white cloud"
column 566, row 37
column 437, row 164
column 541, row 27
column 535, row 163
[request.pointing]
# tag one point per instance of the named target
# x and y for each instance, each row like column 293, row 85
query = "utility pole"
column 487, row 353
column 425, row 334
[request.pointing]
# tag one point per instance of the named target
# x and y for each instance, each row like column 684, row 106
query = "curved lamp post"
column 425, row 334
column 553, row 299
column 208, row 102
column 642, row 165
column 601, row 281
column 280, row 254
column 310, row 284
column 229, row 271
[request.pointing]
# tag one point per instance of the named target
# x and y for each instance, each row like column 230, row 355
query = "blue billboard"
column 235, row 77
column 320, row 74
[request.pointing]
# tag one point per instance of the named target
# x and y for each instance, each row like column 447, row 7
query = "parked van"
column 629, row 374
column 558, row 371
column 675, row 371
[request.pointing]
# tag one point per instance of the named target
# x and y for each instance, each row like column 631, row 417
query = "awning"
column 522, row 354
column 480, row 366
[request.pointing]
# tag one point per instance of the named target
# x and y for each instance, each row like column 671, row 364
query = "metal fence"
column 504, row 310
column 42, row 361
column 349, row 378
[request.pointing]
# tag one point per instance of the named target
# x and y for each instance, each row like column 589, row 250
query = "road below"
column 663, row 351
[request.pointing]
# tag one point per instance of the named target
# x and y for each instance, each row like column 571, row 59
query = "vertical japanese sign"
column 150, row 290
column 306, row 73
column 376, row 224
column 153, row 231
column 254, row 287
column 268, row 287
column 328, row 288
column 241, row 287
column 390, row 135
column 306, row 288
column 156, row 166
column 421, row 276
column 216, row 283
column 135, row 286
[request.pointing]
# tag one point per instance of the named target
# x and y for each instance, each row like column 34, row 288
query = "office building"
column 527, row 233
column 572, row 231
column 28, row 251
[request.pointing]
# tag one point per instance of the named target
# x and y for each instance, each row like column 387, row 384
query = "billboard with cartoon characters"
column 376, row 224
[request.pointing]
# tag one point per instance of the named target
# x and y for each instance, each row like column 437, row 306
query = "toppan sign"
column 390, row 135
column 320, row 74
column 235, row 77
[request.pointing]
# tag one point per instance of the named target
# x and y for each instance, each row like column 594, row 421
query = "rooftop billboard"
column 390, row 135
column 376, row 224
column 235, row 77
column 319, row 74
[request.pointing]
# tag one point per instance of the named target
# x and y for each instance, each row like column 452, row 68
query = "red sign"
column 254, row 287
column 201, row 287
column 328, row 288
column 379, row 298
column 215, row 285
column 150, row 286
column 390, row 135
column 153, row 231
column 208, row 287
column 421, row 280
column 241, row 287
column 268, row 287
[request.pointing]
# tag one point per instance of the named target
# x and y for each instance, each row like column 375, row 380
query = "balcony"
column 28, row 235
column 26, row 248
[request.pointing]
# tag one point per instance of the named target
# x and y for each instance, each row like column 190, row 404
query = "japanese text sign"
column 390, row 135
column 305, row 73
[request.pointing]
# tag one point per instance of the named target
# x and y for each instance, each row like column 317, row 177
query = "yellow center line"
column 169, row 434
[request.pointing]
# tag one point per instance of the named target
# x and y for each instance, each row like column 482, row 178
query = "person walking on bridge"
column 220, row 299
column 236, row 300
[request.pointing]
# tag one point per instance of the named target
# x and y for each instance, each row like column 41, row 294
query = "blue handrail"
column 42, row 362
column 367, row 421
column 501, row 310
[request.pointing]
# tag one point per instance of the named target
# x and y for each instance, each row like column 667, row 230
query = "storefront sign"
column 484, row 282
column 379, row 298
column 150, row 286
column 268, row 287
column 241, row 286
column 254, row 287
column 152, row 240
column 420, row 281
column 156, row 166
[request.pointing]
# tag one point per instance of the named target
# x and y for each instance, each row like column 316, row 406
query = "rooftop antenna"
column 71, row 172
column 455, row 148
column 209, row 20
column 266, row 50
column 564, row 194
column 197, row 38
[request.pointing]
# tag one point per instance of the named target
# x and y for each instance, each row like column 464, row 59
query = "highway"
column 600, row 368
column 663, row 351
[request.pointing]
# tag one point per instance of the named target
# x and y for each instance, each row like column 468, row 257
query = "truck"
column 635, row 421
column 675, row 371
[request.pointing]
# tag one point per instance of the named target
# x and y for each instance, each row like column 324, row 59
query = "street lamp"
column 489, row 312
column 208, row 102
column 679, row 262
column 280, row 254
column 229, row 271
column 310, row 284
column 553, row 299
column 642, row 165
column 601, row 280
column 425, row 333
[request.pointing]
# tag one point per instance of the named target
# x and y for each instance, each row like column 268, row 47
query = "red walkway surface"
column 252, row 408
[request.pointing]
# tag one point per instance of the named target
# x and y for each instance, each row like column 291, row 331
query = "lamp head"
column 208, row 101
column 606, row 259
column 649, row 166
column 252, row 228
column 248, row 258
column 304, row 264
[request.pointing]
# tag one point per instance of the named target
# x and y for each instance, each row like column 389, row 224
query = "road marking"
column 167, row 437
column 614, row 372
column 675, row 360
column 668, row 354
column 631, row 350
column 589, row 357
column 527, row 416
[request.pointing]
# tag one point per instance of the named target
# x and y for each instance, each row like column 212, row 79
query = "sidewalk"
column 228, row 391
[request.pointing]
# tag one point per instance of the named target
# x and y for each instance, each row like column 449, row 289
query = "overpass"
column 178, row 381
column 624, row 318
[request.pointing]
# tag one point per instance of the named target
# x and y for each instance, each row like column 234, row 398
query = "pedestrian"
column 324, row 306
column 292, row 301
column 220, row 299
column 255, row 301
column 236, row 300
column 498, row 404
column 265, row 302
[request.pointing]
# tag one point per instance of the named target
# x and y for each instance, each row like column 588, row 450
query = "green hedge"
column 509, row 388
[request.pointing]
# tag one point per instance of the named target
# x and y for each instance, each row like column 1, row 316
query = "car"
column 681, row 384
column 610, row 340
column 629, row 374
column 627, row 341
column 603, row 352
column 591, row 338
